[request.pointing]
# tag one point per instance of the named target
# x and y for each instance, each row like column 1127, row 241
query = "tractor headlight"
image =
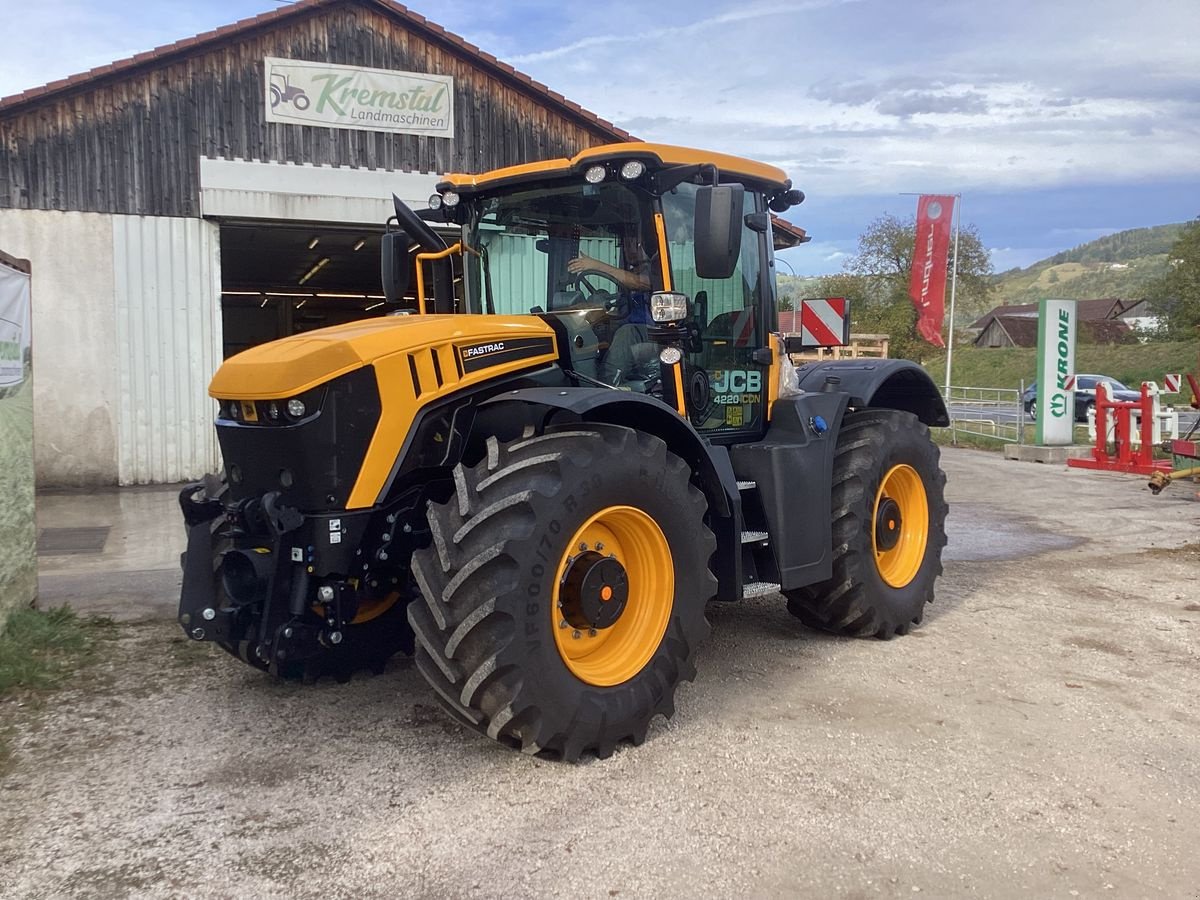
column 296, row 408
column 450, row 199
column 633, row 169
column 435, row 201
column 670, row 356
column 668, row 306
column 595, row 174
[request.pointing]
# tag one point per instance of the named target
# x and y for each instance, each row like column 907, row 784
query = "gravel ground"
column 1037, row 736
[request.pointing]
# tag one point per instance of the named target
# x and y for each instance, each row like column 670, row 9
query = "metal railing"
column 994, row 413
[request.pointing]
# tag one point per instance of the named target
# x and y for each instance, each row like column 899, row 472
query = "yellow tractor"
column 566, row 440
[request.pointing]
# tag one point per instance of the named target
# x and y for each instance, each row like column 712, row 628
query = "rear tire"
column 489, row 629
column 889, row 515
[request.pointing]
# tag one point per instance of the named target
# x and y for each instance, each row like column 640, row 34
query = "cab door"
column 725, row 374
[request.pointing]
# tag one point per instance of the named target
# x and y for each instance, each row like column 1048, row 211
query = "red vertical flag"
column 927, row 286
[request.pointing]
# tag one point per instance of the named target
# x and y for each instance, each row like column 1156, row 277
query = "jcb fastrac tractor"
column 566, row 440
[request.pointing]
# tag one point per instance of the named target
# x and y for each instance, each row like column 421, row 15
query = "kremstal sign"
column 314, row 93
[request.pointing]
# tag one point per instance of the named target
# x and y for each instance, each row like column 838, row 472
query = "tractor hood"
column 465, row 344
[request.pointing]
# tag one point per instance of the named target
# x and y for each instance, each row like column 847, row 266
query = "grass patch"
column 1004, row 367
column 39, row 650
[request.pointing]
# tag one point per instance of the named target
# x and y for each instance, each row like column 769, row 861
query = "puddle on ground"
column 978, row 533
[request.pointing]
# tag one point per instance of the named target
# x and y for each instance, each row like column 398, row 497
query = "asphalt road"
column 1036, row 737
column 1011, row 414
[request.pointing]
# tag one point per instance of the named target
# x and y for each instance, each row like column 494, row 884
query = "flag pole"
column 953, row 285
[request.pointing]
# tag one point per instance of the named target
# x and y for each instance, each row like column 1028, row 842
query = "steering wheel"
column 615, row 302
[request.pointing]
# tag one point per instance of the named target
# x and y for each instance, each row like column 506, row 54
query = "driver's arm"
column 638, row 280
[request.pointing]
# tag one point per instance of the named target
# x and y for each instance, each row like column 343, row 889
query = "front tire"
column 889, row 517
column 563, row 595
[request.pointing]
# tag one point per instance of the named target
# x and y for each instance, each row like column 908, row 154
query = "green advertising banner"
column 1056, row 360
column 18, row 535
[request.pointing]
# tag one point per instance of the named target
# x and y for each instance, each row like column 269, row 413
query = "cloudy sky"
column 1057, row 120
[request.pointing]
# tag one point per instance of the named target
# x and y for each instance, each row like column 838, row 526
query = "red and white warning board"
column 1171, row 383
column 824, row 322
column 1068, row 382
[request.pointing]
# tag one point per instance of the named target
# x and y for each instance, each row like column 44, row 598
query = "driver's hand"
column 581, row 264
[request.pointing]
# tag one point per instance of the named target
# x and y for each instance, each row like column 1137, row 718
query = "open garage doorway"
column 281, row 279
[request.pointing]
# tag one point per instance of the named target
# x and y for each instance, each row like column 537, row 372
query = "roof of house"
column 1086, row 310
column 1022, row 330
column 226, row 34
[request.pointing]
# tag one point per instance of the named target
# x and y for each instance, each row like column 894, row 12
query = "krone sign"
column 314, row 93
column 1056, row 360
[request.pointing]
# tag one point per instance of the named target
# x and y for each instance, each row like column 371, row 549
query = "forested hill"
column 1121, row 247
column 1117, row 265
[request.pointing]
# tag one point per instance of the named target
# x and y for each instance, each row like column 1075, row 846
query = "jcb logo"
column 738, row 381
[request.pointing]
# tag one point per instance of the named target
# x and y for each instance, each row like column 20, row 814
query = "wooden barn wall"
column 132, row 146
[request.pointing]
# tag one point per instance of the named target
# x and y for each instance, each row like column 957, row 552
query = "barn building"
column 229, row 189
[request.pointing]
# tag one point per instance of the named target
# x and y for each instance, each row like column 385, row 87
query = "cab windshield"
column 585, row 252
column 558, row 248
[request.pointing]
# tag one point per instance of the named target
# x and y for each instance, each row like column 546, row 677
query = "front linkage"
column 293, row 593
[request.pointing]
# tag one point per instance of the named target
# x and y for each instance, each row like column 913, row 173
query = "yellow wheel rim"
column 900, row 525
column 612, row 655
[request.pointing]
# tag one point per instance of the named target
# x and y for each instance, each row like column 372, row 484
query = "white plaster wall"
column 76, row 392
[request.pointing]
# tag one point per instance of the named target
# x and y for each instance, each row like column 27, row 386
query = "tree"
column 1176, row 296
column 876, row 281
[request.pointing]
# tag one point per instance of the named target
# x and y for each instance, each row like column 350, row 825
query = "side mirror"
column 394, row 265
column 718, row 229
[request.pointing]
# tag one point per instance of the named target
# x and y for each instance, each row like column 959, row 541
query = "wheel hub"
column 594, row 591
column 887, row 524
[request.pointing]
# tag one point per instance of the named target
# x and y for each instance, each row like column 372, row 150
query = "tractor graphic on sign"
column 283, row 92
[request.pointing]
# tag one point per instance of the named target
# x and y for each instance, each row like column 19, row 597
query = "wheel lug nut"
column 582, row 545
column 591, row 632
column 575, row 634
column 599, row 546
column 563, row 623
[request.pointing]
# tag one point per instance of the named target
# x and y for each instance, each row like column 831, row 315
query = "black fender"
column 505, row 414
column 887, row 383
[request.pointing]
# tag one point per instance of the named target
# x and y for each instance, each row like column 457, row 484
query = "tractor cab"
column 629, row 251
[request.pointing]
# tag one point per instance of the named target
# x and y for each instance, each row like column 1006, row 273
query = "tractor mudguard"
column 710, row 463
column 792, row 467
column 640, row 413
column 886, row 383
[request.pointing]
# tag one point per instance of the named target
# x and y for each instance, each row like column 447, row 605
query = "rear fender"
column 887, row 383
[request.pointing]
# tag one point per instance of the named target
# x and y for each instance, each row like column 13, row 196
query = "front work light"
column 296, row 408
column 633, row 169
column 668, row 306
column 595, row 174
column 450, row 199
column 670, row 356
column 435, row 201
